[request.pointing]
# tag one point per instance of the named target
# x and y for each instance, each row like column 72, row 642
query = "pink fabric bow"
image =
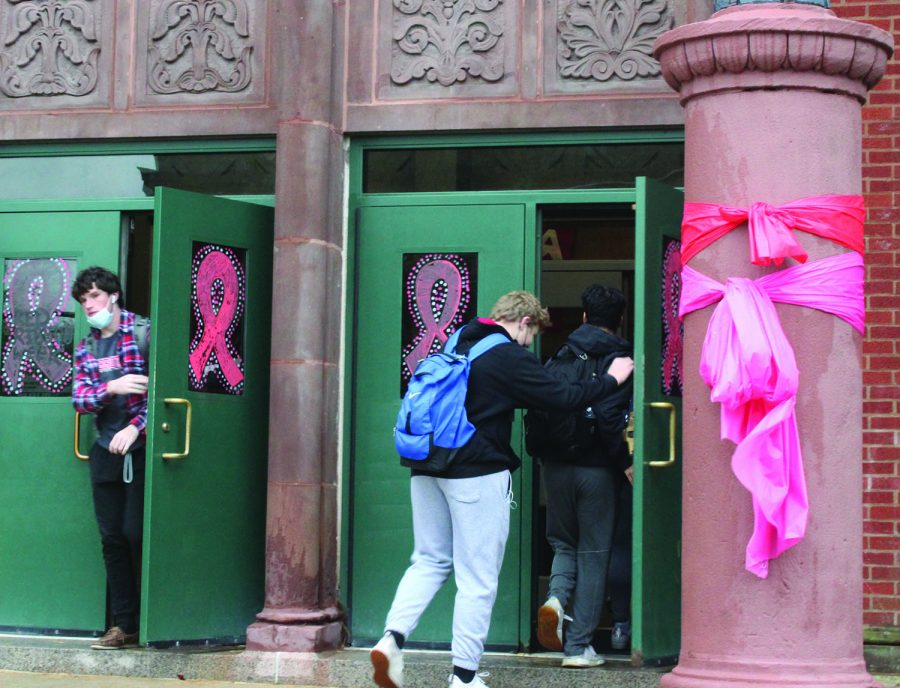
column 835, row 217
column 750, row 368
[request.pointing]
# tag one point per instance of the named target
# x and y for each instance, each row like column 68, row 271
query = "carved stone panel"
column 55, row 53
column 200, row 51
column 604, row 45
column 447, row 48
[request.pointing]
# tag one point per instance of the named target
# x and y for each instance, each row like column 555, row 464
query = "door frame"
column 533, row 200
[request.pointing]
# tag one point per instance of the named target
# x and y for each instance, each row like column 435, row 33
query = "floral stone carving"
column 200, row 45
column 603, row 39
column 447, row 40
column 49, row 48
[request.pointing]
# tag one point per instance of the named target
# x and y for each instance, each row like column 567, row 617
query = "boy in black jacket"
column 581, row 496
column 461, row 516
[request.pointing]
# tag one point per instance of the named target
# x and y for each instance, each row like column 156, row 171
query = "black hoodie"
column 502, row 379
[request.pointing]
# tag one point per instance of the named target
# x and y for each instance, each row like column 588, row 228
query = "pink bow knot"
column 772, row 228
column 750, row 368
column 772, row 237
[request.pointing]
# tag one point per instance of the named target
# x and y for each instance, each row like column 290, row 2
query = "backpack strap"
column 568, row 347
column 577, row 352
column 450, row 344
column 141, row 327
column 478, row 348
column 485, row 344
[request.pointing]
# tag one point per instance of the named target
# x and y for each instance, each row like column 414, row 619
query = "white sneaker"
column 387, row 660
column 550, row 624
column 588, row 658
column 456, row 682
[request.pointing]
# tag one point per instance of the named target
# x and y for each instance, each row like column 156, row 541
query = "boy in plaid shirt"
column 111, row 383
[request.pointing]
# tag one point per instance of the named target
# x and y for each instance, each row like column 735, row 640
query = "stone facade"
column 311, row 72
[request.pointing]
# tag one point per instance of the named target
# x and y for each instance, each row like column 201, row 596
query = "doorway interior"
column 583, row 245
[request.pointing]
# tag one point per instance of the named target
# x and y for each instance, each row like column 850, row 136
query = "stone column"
column 301, row 611
column 772, row 96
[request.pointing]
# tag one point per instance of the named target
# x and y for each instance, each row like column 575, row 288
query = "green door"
column 458, row 259
column 656, row 593
column 204, row 526
column 51, row 569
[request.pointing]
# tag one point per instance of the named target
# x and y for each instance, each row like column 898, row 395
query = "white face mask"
column 103, row 318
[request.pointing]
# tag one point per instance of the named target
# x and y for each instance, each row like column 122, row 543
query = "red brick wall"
column 881, row 348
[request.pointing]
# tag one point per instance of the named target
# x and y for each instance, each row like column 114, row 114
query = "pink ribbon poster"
column 438, row 297
column 38, row 332
column 672, row 327
column 218, row 302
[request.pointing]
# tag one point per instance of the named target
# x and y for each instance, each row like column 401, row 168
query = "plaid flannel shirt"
column 89, row 394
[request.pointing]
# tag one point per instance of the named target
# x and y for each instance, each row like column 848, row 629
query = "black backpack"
column 554, row 435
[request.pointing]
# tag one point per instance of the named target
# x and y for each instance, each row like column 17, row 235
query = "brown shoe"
column 115, row 639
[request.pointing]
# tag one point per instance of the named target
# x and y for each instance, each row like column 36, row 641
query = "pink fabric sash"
column 750, row 368
column 834, row 217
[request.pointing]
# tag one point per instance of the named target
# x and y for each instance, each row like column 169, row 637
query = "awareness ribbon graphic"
column 672, row 328
column 434, row 322
column 217, row 323
column 835, row 217
column 750, row 368
column 37, row 293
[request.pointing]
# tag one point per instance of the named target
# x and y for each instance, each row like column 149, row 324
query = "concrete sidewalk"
column 15, row 679
column 41, row 662
column 211, row 667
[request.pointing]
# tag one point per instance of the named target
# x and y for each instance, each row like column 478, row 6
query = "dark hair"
column 603, row 305
column 101, row 277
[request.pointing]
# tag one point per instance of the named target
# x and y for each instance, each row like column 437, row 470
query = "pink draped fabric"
column 750, row 368
column 835, row 217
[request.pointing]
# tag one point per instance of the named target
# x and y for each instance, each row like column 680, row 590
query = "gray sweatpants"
column 581, row 507
column 459, row 526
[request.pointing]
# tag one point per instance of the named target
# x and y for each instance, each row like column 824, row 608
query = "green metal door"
column 204, row 526
column 51, row 569
column 656, row 593
column 483, row 248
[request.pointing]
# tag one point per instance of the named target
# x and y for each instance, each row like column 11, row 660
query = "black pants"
column 119, row 508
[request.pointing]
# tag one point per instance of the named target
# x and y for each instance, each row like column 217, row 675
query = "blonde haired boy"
column 461, row 516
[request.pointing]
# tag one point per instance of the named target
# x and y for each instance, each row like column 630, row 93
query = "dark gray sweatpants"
column 581, row 505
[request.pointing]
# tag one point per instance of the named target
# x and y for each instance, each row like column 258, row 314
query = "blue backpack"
column 432, row 424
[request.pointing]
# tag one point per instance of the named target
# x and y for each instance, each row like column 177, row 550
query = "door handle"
column 671, row 459
column 78, row 454
column 187, row 429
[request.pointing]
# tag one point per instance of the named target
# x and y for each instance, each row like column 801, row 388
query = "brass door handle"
column 671, row 459
column 78, row 454
column 187, row 430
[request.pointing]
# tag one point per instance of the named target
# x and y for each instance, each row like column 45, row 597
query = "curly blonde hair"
column 518, row 304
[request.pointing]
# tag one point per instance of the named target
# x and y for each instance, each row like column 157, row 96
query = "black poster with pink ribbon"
column 38, row 331
column 218, row 302
column 672, row 327
column 439, row 292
